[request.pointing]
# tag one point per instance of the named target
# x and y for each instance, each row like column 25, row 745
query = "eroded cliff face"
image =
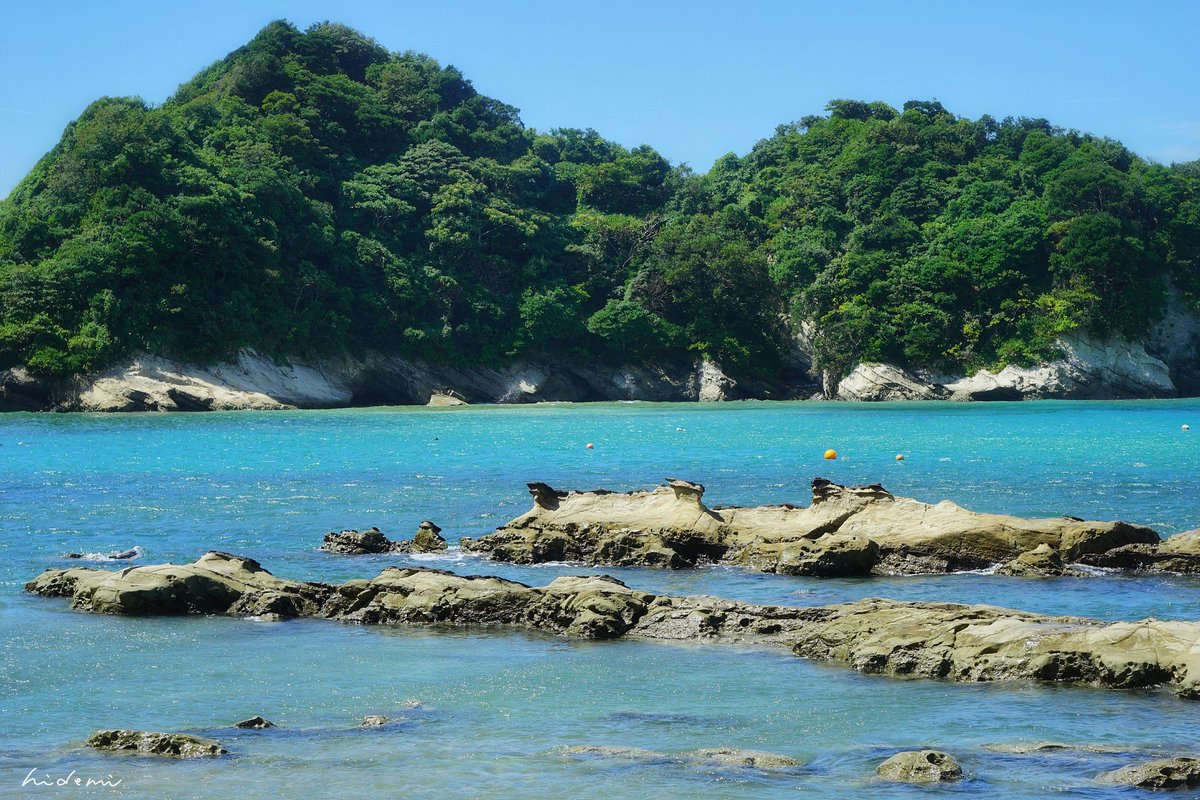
column 254, row 381
column 933, row 640
column 845, row 531
column 1087, row 369
column 1167, row 365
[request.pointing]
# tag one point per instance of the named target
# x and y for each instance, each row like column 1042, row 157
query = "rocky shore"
column 1085, row 369
column 845, row 531
column 932, row 640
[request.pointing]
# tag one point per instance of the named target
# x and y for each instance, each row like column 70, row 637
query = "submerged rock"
column 934, row 640
column 845, row 531
column 173, row 745
column 920, row 766
column 255, row 723
column 374, row 721
column 706, row 757
column 1167, row 773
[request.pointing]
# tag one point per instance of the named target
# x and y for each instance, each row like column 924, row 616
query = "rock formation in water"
column 172, row 745
column 255, row 723
column 846, row 531
column 933, row 640
column 428, row 539
column 722, row 757
column 920, row 766
column 1167, row 773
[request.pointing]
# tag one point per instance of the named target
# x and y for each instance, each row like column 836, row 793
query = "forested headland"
column 314, row 194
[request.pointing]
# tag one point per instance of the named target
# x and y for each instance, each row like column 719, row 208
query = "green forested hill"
column 313, row 193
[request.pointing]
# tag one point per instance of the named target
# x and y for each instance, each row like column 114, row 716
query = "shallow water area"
column 497, row 708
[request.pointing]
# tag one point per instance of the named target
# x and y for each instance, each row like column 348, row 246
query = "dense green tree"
column 313, row 193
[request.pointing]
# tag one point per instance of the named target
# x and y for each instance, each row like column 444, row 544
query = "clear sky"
column 695, row 79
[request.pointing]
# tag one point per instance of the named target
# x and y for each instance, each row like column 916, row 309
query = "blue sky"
column 694, row 79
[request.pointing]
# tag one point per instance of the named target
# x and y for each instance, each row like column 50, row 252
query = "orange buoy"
column 899, row 456
column 830, row 455
column 591, row 446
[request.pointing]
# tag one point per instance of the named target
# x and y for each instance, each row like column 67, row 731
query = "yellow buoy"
column 830, row 455
column 899, row 456
column 591, row 446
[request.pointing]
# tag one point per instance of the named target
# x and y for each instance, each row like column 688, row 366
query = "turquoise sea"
column 485, row 713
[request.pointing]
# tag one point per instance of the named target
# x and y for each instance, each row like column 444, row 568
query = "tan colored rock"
column 1167, row 773
column 920, row 766
column 428, row 539
column 172, row 745
column 374, row 721
column 1040, row 562
column 933, row 640
column 216, row 583
column 846, row 530
column 445, row 400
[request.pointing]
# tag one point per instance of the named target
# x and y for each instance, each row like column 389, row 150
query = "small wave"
column 124, row 555
column 447, row 557
column 985, row 571
column 1095, row 572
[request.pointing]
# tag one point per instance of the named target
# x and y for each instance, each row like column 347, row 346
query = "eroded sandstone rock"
column 920, row 766
column 1167, row 773
column 933, row 640
column 846, row 530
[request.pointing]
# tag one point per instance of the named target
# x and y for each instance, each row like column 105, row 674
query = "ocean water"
column 487, row 713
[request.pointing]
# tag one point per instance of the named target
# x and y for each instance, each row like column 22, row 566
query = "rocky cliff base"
column 845, row 531
column 932, row 640
column 1087, row 368
column 253, row 381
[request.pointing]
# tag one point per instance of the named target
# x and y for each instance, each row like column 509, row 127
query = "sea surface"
column 487, row 713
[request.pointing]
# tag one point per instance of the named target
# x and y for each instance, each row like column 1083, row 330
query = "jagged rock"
column 874, row 382
column 933, row 640
column 920, row 766
column 855, row 530
column 357, row 543
column 706, row 757
column 255, row 723
column 374, row 721
column 428, row 539
column 173, row 745
column 443, row 400
column 1041, row 561
column 713, row 385
column 1167, row 773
